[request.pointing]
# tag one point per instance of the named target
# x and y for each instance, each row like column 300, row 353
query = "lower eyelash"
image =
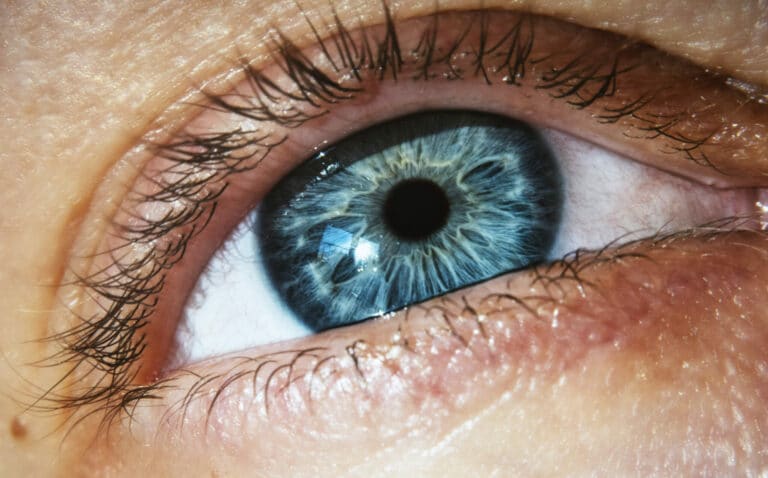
column 277, row 373
column 198, row 167
column 281, row 377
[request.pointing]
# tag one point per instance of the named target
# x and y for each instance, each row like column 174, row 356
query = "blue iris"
column 408, row 210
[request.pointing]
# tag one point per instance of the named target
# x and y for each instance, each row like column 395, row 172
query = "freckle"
column 18, row 428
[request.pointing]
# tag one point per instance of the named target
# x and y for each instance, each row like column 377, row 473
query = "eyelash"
column 113, row 341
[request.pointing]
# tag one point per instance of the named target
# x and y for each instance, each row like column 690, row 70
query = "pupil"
column 416, row 208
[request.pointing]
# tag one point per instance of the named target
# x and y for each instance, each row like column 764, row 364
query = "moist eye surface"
column 408, row 210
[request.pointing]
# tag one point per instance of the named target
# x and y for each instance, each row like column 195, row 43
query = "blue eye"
column 408, row 210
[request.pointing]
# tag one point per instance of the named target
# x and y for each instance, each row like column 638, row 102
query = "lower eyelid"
column 646, row 306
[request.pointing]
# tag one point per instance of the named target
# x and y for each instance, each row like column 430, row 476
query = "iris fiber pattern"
column 326, row 231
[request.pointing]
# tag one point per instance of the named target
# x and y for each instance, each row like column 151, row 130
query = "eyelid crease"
column 685, row 111
column 192, row 173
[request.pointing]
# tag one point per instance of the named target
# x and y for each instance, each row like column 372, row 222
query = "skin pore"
column 681, row 390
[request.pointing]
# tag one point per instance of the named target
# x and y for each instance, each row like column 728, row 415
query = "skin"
column 81, row 84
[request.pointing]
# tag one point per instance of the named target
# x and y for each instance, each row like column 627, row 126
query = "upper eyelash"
column 111, row 342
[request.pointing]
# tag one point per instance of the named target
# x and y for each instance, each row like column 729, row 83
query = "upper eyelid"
column 680, row 129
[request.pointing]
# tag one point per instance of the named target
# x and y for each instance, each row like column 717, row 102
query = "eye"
column 420, row 206
column 333, row 119
column 406, row 211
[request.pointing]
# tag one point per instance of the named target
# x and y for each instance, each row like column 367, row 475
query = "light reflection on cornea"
column 762, row 207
